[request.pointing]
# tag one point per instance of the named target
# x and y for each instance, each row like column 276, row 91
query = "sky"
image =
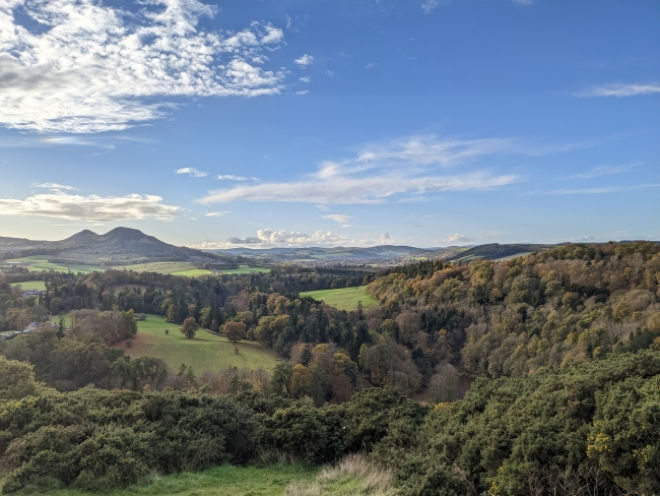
column 264, row 123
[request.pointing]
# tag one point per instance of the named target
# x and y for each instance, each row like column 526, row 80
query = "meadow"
column 30, row 285
column 245, row 269
column 206, row 352
column 40, row 263
column 174, row 268
column 344, row 298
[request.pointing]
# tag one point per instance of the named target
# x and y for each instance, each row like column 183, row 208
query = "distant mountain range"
column 379, row 256
column 123, row 246
column 119, row 246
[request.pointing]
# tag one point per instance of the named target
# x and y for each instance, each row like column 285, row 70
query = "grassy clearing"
column 176, row 268
column 30, row 285
column 40, row 263
column 344, row 298
column 244, row 269
column 226, row 480
column 353, row 476
column 207, row 352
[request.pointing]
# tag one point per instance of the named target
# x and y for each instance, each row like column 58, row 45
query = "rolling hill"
column 121, row 246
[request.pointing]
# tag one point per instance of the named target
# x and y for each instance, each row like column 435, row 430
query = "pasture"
column 244, row 269
column 344, row 298
column 174, row 268
column 40, row 263
column 206, row 352
column 30, row 285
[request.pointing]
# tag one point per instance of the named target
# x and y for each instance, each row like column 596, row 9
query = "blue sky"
column 317, row 123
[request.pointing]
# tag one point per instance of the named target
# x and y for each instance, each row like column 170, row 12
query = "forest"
column 563, row 347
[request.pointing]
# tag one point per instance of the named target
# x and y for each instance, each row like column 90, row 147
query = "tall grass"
column 354, row 475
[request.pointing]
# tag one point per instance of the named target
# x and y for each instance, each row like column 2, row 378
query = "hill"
column 120, row 246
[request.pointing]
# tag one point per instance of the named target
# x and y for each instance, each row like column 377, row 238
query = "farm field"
column 343, row 298
column 244, row 269
column 207, row 352
column 29, row 285
column 174, row 268
column 40, row 263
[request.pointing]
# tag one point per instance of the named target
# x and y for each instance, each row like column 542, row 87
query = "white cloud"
column 429, row 6
column 96, row 67
column 305, row 60
column 329, row 73
column 91, row 208
column 302, row 92
column 217, row 214
column 345, row 189
column 55, row 186
column 231, row 177
column 405, row 166
column 523, row 2
column 305, row 79
column 457, row 238
column 340, row 218
column 191, row 171
column 621, row 90
column 605, row 170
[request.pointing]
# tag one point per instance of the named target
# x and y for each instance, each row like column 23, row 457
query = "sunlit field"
column 206, row 352
column 344, row 298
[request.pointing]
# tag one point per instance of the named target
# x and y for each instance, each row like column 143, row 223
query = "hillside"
column 120, row 246
column 376, row 256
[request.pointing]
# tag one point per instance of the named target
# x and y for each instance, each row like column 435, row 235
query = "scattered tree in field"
column 129, row 343
column 234, row 331
column 189, row 327
column 167, row 332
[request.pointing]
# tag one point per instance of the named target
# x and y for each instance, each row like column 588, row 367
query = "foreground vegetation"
column 589, row 428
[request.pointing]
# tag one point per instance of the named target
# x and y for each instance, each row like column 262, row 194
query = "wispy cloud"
column 429, row 6
column 55, row 186
column 99, row 67
column 407, row 166
column 305, row 79
column 605, row 170
column 402, row 168
column 217, row 214
column 340, row 218
column 231, row 177
column 621, row 90
column 305, row 60
column 91, row 208
column 191, row 171
column 523, row 2
column 601, row 190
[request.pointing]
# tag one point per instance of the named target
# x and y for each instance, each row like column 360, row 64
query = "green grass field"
column 343, row 298
column 174, row 268
column 28, row 285
column 206, row 352
column 244, row 269
column 225, row 480
column 39, row 263
column 352, row 476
